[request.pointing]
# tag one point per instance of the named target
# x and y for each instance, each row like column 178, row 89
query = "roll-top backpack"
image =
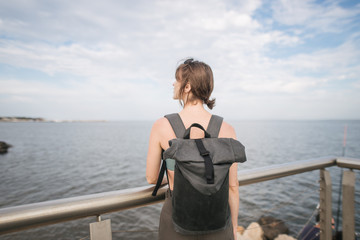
column 200, row 196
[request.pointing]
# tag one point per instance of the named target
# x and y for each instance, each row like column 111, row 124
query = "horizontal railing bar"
column 67, row 209
column 283, row 170
column 45, row 213
column 351, row 163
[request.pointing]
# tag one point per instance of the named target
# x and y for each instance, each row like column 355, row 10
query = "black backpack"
column 201, row 181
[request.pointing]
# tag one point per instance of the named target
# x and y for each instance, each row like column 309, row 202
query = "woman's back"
column 192, row 87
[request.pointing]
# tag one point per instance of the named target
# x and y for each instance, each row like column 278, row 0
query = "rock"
column 252, row 232
column 240, row 229
column 272, row 227
column 284, row 237
column 4, row 147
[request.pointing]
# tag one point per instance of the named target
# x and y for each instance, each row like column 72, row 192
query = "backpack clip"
column 206, row 153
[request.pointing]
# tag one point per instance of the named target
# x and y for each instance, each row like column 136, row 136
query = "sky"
column 116, row 60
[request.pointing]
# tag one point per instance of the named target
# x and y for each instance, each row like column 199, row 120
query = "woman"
column 192, row 87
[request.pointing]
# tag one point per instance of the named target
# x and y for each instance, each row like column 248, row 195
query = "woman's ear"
column 187, row 88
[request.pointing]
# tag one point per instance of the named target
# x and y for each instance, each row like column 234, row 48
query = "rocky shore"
column 21, row 119
column 29, row 119
column 266, row 228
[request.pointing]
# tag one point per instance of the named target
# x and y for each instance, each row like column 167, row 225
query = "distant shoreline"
column 21, row 119
column 39, row 119
column 29, row 119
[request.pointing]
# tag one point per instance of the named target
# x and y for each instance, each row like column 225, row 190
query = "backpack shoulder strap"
column 160, row 178
column 214, row 126
column 179, row 129
column 176, row 124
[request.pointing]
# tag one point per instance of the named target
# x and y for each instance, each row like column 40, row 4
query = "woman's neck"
column 195, row 108
column 195, row 112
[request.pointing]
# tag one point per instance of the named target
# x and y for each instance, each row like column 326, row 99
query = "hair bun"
column 210, row 103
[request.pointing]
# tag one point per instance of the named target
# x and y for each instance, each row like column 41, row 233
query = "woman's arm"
column 228, row 131
column 154, row 153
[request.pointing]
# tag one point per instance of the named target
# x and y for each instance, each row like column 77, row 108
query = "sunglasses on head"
column 188, row 61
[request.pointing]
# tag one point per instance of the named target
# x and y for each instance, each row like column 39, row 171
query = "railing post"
column 348, row 205
column 100, row 230
column 325, row 205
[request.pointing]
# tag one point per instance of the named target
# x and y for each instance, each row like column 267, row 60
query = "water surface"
column 59, row 160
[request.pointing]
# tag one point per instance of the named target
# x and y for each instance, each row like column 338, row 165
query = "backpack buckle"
column 206, row 153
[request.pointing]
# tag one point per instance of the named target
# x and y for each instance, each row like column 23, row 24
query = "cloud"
column 127, row 42
column 333, row 64
column 74, row 59
column 308, row 14
column 303, row 72
column 114, row 52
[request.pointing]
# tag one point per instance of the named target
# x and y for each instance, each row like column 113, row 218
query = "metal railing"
column 22, row 217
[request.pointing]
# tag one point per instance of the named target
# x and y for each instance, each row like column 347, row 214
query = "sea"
column 52, row 160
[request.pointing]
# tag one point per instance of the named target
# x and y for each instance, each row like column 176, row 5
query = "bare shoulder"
column 162, row 132
column 161, row 127
column 227, row 131
column 161, row 122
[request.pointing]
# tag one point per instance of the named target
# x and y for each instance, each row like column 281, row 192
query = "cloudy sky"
column 115, row 60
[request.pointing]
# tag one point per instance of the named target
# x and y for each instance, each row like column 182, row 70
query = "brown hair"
column 200, row 77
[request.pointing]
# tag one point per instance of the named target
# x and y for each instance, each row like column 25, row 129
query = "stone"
column 252, row 232
column 240, row 229
column 284, row 237
column 272, row 227
column 4, row 147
